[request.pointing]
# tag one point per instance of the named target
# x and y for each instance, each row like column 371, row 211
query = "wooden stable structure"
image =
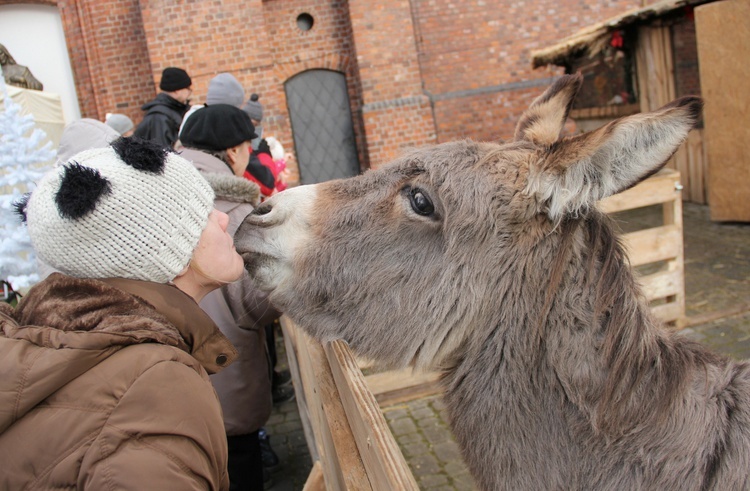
column 658, row 69
column 724, row 48
column 349, row 440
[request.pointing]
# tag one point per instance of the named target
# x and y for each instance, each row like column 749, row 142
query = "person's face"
column 239, row 157
column 183, row 95
column 215, row 255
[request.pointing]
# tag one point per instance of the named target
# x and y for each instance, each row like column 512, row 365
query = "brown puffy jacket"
column 104, row 386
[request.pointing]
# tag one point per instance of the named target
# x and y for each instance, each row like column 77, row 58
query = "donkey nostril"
column 262, row 209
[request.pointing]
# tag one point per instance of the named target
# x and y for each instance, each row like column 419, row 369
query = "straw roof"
column 592, row 39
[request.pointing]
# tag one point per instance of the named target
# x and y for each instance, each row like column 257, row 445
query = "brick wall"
column 418, row 71
column 475, row 57
column 396, row 112
column 107, row 49
column 685, row 51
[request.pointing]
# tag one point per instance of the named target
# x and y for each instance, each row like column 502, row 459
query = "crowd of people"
column 145, row 358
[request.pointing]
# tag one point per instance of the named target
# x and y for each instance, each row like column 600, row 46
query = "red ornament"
column 617, row 40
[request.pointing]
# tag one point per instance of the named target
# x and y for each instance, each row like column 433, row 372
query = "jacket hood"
column 166, row 105
column 84, row 134
column 70, row 325
column 225, row 184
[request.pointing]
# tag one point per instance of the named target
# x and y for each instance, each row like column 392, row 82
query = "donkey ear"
column 543, row 121
column 576, row 172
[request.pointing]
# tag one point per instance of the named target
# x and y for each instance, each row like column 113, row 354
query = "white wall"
column 34, row 37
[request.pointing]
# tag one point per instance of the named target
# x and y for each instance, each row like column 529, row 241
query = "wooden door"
column 723, row 33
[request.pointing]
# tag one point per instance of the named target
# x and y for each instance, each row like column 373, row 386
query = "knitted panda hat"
column 130, row 210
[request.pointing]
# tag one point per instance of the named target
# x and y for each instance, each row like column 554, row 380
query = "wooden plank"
column 696, row 164
column 342, row 464
column 673, row 216
column 398, row 386
column 315, row 481
column 654, row 67
column 669, row 312
column 662, row 284
column 382, row 458
column 723, row 38
column 653, row 244
column 659, row 188
column 290, row 344
column 324, row 446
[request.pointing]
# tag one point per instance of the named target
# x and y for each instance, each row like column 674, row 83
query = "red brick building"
column 404, row 72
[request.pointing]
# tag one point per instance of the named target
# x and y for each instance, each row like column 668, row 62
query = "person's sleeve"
column 165, row 433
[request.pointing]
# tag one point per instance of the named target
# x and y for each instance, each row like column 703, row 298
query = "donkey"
column 491, row 263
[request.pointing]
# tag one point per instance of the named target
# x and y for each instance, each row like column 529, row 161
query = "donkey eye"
column 420, row 202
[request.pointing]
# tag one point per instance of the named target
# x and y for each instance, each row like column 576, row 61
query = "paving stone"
column 430, row 422
column 463, row 483
column 432, row 481
column 408, row 437
column 447, row 451
column 456, row 468
column 395, row 413
column 424, row 465
column 402, row 426
column 423, row 413
column 436, row 434
column 275, row 418
column 415, row 449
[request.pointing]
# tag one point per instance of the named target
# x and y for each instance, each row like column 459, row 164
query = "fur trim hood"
column 225, row 184
column 233, row 188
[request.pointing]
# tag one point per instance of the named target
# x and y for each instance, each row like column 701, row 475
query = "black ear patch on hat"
column 19, row 207
column 81, row 188
column 144, row 155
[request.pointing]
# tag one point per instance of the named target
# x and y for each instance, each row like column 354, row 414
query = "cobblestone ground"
column 717, row 279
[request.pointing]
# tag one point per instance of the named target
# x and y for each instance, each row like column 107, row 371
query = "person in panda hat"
column 106, row 365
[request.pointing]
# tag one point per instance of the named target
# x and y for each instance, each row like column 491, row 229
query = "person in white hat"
column 105, row 365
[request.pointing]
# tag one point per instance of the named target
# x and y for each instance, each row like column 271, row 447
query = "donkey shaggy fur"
column 491, row 263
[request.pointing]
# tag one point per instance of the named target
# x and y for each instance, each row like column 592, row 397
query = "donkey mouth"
column 255, row 260
column 260, row 267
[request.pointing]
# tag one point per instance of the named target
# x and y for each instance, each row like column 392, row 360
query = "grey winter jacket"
column 239, row 309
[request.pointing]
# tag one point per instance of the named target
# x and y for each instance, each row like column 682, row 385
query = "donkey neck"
column 550, row 362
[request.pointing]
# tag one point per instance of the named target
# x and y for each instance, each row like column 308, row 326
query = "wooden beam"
column 315, row 481
column 662, row 187
column 382, row 458
column 653, row 244
column 399, row 386
column 342, row 464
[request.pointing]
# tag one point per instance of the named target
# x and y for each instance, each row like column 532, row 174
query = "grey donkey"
column 491, row 263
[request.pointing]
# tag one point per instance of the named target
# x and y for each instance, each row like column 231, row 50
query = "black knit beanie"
column 217, row 127
column 173, row 78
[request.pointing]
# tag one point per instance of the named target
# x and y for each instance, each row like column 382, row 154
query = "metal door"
column 318, row 104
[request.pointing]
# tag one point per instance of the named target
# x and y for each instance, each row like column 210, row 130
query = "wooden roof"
column 592, row 39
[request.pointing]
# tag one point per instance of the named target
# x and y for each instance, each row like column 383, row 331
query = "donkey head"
column 410, row 261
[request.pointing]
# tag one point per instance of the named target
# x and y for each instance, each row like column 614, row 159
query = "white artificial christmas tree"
column 23, row 161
